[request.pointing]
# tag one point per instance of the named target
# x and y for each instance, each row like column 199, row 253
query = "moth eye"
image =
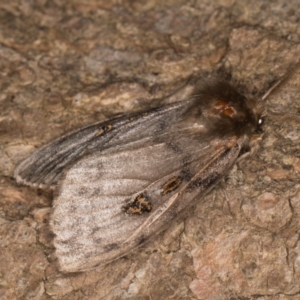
column 261, row 121
column 141, row 204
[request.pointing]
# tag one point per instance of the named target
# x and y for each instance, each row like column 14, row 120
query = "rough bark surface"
column 68, row 63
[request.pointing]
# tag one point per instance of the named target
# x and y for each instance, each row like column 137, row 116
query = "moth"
column 119, row 182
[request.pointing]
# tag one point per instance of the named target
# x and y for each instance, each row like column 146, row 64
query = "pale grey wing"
column 44, row 167
column 108, row 204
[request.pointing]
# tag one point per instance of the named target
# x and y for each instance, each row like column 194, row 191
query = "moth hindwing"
column 119, row 182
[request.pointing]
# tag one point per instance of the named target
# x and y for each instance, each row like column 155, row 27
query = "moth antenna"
column 281, row 81
column 276, row 114
column 286, row 116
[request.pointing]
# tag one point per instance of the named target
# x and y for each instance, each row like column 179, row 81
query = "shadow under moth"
column 119, row 182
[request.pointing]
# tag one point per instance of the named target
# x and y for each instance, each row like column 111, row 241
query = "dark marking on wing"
column 141, row 204
column 171, row 185
column 107, row 127
column 162, row 125
column 82, row 191
column 69, row 241
column 98, row 241
column 185, row 174
column 174, row 147
column 204, row 182
column 104, row 129
column 208, row 178
column 96, row 229
column 140, row 240
column 110, row 247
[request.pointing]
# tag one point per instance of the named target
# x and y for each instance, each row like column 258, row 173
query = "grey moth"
column 119, row 182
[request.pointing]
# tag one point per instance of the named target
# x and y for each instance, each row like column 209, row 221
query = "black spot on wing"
column 204, row 182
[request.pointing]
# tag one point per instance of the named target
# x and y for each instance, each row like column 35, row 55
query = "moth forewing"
column 44, row 167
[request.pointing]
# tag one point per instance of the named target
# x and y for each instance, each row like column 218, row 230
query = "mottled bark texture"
column 68, row 63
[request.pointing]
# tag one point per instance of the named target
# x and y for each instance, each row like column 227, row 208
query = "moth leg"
column 254, row 146
column 223, row 188
column 227, row 202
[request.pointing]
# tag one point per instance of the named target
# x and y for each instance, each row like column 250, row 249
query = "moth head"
column 228, row 113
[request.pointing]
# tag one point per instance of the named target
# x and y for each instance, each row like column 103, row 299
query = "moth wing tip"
column 68, row 267
column 62, row 266
column 21, row 180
